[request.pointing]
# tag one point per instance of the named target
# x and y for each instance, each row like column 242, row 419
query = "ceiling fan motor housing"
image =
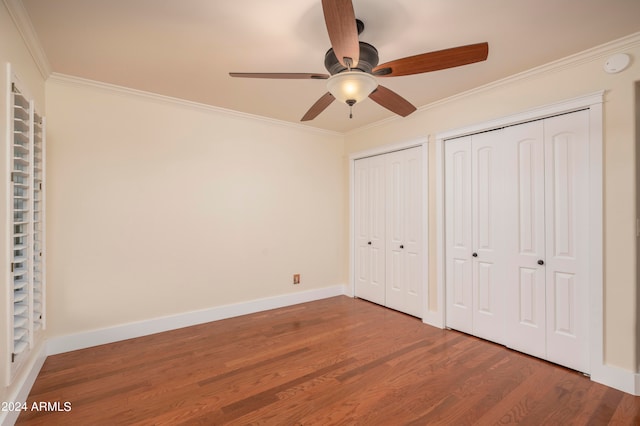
column 367, row 62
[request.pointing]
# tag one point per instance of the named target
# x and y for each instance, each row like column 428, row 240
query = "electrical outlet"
column 296, row 278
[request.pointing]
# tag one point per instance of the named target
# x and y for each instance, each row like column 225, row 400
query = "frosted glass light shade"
column 351, row 85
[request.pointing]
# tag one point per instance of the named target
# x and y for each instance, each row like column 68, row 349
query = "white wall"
column 14, row 51
column 566, row 79
column 158, row 207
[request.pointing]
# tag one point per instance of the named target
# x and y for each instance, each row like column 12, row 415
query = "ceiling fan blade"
column 320, row 105
column 281, row 75
column 392, row 101
column 434, row 61
column 343, row 31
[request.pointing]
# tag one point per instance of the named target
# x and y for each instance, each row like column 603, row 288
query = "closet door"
column 475, row 264
column 567, row 192
column 488, row 235
column 458, row 238
column 525, row 326
column 369, row 210
column 404, row 231
column 526, row 232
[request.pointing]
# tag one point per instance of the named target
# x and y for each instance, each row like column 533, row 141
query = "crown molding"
column 23, row 23
column 126, row 91
column 598, row 52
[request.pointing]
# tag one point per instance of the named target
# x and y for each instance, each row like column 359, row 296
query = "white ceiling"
column 186, row 48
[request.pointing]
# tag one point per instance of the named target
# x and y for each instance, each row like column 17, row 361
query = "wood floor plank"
column 338, row 361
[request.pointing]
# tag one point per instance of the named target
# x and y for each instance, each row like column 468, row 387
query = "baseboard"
column 617, row 378
column 23, row 386
column 61, row 344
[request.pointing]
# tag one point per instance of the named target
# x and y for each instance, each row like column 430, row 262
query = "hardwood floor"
column 338, row 361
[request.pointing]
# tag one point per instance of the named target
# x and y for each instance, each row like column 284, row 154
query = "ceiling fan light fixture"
column 351, row 86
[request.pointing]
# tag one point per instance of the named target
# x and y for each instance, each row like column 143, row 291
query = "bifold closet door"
column 488, row 181
column 475, row 243
column 567, row 243
column 516, row 213
column 369, row 213
column 458, row 219
column 525, row 289
column 388, row 230
column 547, row 313
column 404, row 231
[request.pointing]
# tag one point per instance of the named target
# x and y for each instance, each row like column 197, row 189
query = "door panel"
column 395, row 230
column 377, row 218
column 404, row 231
column 567, row 186
column 413, row 199
column 483, row 205
column 413, row 261
column 369, row 213
column 563, row 287
column 376, row 268
column 562, row 171
column 361, row 214
column 414, row 281
column 529, row 200
column 458, row 239
column 484, row 304
column 528, row 286
column 487, row 239
column 525, row 291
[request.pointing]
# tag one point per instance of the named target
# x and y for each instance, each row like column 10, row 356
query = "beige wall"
column 158, row 208
column 570, row 78
column 14, row 51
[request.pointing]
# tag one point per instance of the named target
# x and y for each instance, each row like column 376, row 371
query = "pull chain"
column 351, row 103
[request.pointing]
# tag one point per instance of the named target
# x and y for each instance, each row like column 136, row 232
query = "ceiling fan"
column 353, row 64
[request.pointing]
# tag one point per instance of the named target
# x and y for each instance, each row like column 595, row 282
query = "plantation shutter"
column 26, row 150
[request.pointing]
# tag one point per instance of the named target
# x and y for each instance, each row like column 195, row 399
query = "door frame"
column 381, row 150
column 593, row 102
